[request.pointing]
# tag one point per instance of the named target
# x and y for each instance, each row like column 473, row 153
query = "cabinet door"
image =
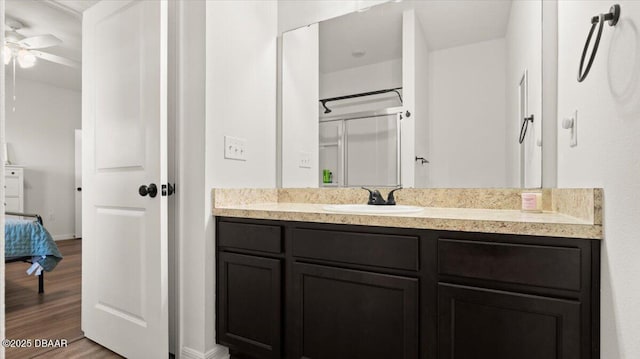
column 249, row 301
column 349, row 314
column 481, row 323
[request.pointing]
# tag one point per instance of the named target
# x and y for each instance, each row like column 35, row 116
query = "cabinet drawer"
column 8, row 171
column 536, row 265
column 257, row 237
column 12, row 186
column 378, row 250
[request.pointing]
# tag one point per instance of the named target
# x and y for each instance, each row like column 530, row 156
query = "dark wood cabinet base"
column 482, row 323
column 340, row 313
column 320, row 291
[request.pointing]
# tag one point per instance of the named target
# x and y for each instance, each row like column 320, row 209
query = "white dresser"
column 14, row 189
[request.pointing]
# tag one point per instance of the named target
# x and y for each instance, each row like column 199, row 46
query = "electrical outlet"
column 235, row 148
column 51, row 217
column 304, row 160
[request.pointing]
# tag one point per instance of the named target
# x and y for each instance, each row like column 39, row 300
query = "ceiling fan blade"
column 57, row 59
column 40, row 41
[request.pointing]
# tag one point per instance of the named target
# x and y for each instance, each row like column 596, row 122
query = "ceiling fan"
column 26, row 50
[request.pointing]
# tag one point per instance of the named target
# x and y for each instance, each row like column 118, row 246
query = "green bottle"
column 326, row 176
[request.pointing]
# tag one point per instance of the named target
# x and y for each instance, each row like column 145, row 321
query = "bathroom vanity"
column 297, row 282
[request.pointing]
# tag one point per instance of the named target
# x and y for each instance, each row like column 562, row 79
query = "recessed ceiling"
column 62, row 19
column 378, row 31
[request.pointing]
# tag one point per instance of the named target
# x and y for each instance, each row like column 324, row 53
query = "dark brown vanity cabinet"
column 319, row 291
column 249, row 291
column 344, row 313
column 484, row 323
column 505, row 297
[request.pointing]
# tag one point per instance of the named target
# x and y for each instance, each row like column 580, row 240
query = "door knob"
column 79, row 189
column 151, row 190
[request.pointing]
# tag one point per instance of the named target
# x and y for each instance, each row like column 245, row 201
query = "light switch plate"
column 304, row 160
column 235, row 148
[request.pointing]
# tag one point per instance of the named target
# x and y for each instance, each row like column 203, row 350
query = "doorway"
column 43, row 249
column 54, row 314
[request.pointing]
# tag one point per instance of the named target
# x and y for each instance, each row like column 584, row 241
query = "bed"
column 26, row 240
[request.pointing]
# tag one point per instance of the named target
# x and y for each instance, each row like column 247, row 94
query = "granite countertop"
column 268, row 204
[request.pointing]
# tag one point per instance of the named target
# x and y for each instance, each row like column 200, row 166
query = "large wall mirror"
column 427, row 94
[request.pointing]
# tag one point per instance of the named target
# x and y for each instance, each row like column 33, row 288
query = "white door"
column 124, row 125
column 78, row 182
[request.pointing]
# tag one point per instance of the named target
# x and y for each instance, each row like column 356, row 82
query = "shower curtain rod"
column 371, row 93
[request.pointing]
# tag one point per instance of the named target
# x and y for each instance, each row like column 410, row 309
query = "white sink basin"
column 368, row 209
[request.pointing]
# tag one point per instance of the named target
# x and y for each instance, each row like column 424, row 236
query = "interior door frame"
column 2, row 147
column 173, row 158
column 173, row 152
column 174, row 120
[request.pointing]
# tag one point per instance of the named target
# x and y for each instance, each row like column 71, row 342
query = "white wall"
column 40, row 136
column 550, row 94
column 241, row 90
column 191, row 191
column 608, row 104
column 188, row 69
column 524, row 52
column 300, row 114
column 467, row 102
column 236, row 97
column 378, row 76
column 240, row 97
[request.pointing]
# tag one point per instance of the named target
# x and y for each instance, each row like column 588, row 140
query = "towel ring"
column 612, row 18
column 524, row 128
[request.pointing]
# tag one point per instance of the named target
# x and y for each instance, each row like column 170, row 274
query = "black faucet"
column 375, row 197
column 391, row 200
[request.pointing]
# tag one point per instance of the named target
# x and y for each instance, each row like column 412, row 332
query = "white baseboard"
column 60, row 237
column 219, row 352
column 188, row 353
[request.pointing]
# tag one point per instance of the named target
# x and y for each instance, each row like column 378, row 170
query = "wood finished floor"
column 82, row 348
column 52, row 315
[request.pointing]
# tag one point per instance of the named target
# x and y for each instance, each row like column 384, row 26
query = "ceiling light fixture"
column 24, row 52
column 26, row 59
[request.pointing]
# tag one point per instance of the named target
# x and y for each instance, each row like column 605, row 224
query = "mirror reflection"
column 437, row 94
